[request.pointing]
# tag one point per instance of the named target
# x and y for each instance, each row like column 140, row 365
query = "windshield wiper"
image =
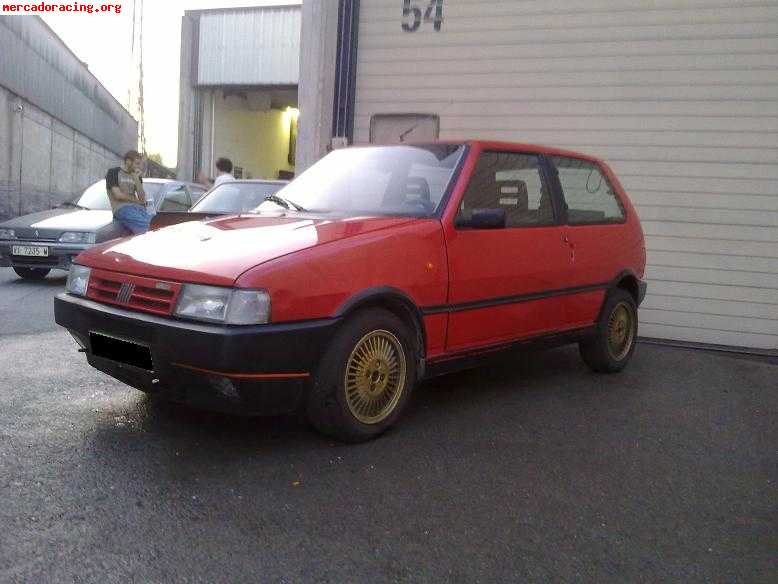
column 72, row 204
column 285, row 203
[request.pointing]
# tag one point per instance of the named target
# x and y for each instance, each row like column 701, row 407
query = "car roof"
column 186, row 182
column 258, row 181
column 500, row 145
column 173, row 181
column 535, row 148
column 161, row 181
column 151, row 179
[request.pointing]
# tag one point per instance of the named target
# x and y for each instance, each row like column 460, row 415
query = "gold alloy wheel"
column 621, row 331
column 375, row 376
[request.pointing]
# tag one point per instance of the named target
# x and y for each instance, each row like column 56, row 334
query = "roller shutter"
column 681, row 98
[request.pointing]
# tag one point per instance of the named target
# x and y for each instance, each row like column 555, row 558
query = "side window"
column 195, row 193
column 510, row 181
column 588, row 194
column 176, row 200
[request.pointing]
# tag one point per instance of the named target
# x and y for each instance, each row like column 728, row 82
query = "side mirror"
column 481, row 219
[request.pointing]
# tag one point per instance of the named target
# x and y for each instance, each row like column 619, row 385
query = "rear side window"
column 510, row 181
column 176, row 200
column 195, row 193
column 589, row 196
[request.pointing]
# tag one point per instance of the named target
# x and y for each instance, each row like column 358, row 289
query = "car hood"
column 52, row 223
column 219, row 251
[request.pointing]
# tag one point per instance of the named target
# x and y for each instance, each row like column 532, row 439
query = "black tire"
column 32, row 273
column 603, row 352
column 328, row 406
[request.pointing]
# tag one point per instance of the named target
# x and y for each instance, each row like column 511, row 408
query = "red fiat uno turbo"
column 377, row 267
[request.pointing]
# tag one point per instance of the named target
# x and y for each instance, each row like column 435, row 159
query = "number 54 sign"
column 414, row 13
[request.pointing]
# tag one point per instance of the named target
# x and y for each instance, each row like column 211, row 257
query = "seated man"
column 125, row 191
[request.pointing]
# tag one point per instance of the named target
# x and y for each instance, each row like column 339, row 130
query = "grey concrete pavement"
column 26, row 307
column 530, row 469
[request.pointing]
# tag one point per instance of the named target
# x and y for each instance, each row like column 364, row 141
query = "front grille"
column 133, row 292
column 32, row 234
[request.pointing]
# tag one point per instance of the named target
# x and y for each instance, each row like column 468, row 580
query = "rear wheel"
column 365, row 378
column 612, row 346
column 32, row 273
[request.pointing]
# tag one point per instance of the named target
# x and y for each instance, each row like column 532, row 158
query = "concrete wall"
column 7, row 186
column 60, row 130
column 189, row 115
column 36, row 65
column 316, row 90
column 42, row 161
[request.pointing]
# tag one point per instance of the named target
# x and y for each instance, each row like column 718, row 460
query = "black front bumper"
column 244, row 369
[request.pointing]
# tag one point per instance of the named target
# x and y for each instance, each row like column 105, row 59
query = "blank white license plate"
column 30, row 251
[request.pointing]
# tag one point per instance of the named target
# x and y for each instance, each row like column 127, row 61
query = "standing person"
column 223, row 171
column 125, row 191
column 223, row 174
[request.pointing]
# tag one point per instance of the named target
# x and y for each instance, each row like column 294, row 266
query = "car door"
column 195, row 192
column 505, row 282
column 176, row 200
column 594, row 220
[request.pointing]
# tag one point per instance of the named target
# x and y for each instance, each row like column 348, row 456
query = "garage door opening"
column 256, row 129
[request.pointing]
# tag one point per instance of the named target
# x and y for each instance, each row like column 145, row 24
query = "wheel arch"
column 628, row 281
column 398, row 303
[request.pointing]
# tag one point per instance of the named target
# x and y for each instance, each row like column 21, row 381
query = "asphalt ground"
column 529, row 469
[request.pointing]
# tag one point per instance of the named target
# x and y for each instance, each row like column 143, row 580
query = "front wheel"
column 365, row 378
column 613, row 344
column 32, row 273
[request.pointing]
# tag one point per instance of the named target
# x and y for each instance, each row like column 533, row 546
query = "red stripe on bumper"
column 245, row 375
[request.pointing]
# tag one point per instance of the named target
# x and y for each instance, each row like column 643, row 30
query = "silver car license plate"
column 30, row 251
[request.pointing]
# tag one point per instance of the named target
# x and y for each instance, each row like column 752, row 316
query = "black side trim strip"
column 473, row 357
column 503, row 345
column 476, row 304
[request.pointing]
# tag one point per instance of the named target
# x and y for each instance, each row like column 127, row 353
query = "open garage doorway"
column 238, row 95
column 255, row 128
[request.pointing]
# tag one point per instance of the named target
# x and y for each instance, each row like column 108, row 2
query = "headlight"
column 227, row 305
column 7, row 234
column 77, row 237
column 78, row 280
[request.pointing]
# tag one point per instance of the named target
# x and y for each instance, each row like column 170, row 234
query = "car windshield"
column 96, row 197
column 374, row 180
column 235, row 197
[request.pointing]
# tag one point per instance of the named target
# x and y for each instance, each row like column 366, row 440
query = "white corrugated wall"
column 680, row 97
column 250, row 46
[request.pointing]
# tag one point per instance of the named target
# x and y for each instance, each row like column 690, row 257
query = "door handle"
column 565, row 239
